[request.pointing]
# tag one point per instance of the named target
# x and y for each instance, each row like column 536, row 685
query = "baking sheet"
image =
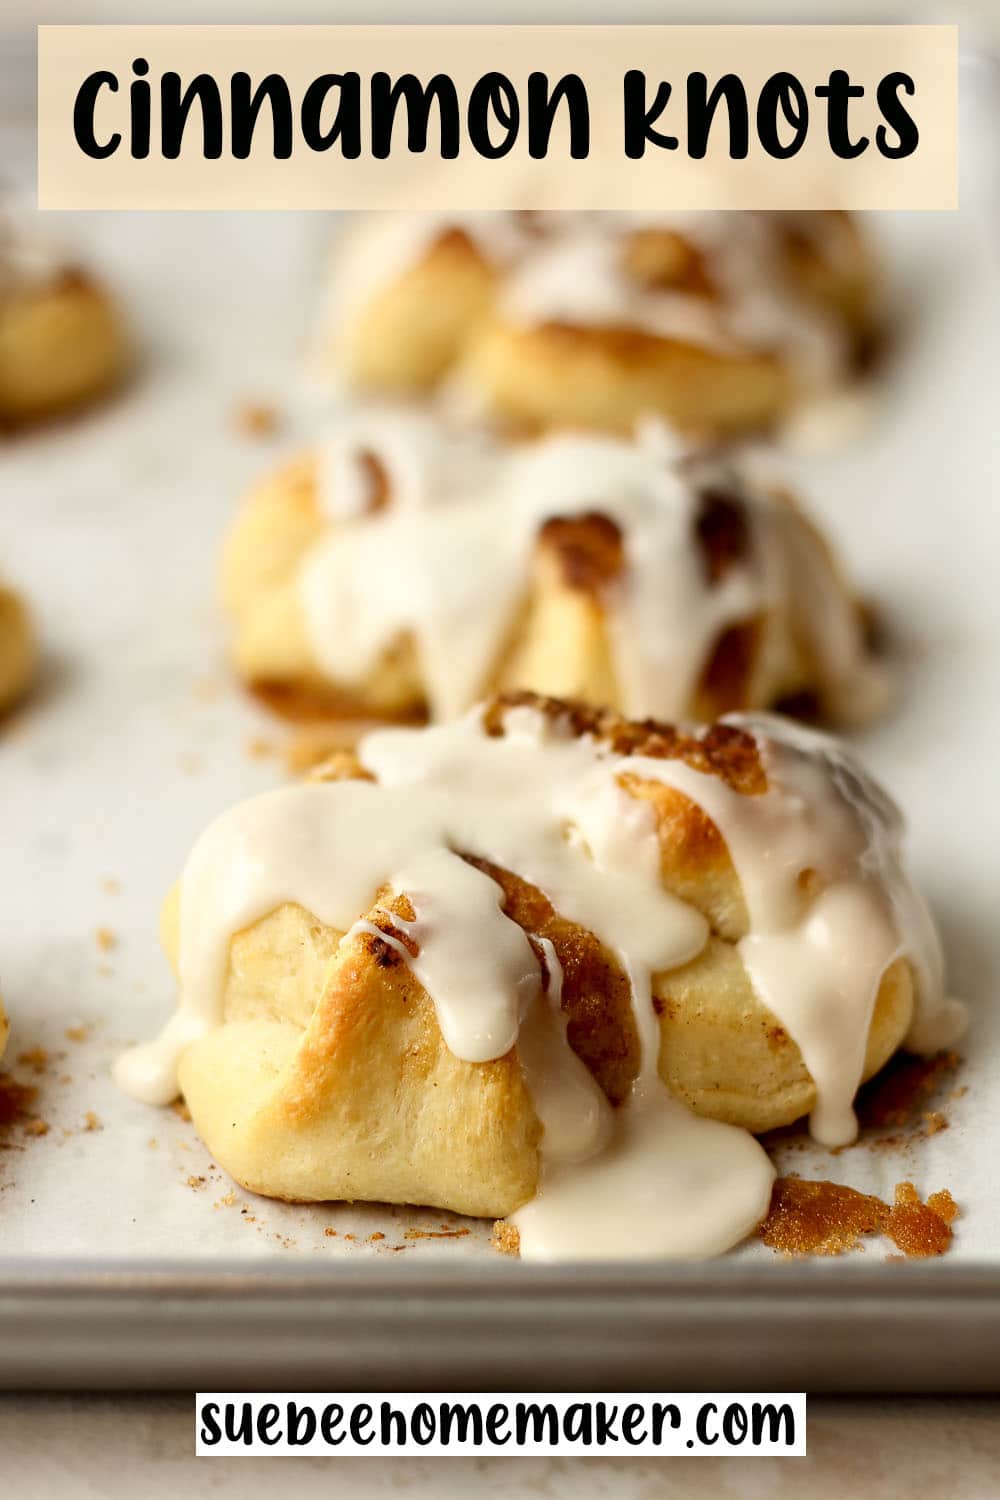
column 138, row 736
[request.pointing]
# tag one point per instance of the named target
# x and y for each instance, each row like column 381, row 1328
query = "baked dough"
column 18, row 651
column 719, row 322
column 61, row 339
column 646, row 578
column 327, row 1075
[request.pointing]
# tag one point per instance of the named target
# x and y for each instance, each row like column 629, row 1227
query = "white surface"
column 112, row 523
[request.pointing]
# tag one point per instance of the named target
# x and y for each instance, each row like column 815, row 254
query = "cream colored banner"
column 480, row 117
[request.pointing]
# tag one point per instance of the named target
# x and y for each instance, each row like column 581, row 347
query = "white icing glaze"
column 650, row 1178
column 448, row 561
column 582, row 278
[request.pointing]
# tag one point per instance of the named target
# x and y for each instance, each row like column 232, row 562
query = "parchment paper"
column 138, row 736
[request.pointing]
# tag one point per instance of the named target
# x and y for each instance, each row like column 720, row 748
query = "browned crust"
column 721, row 750
column 311, row 702
column 595, row 997
column 589, row 549
column 722, row 531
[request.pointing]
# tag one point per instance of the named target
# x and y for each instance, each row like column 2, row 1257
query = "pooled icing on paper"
column 649, row 1178
column 447, row 561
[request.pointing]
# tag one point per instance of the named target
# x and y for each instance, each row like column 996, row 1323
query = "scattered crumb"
column 152, row 1143
column 895, row 1096
column 106, row 939
column 377, row 1235
column 16, row 1099
column 228, row 1200
column 195, row 1182
column 934, row 1122
column 827, row 1218
column 256, row 419
column 921, row 1229
column 77, row 1033
column 35, row 1058
column 91, row 1121
column 944, row 1206
column 505, row 1238
column 435, row 1234
column 259, row 748
column 331, row 1234
column 180, row 1109
column 819, row 1218
column 37, row 1127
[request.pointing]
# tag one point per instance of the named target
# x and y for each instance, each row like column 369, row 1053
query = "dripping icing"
column 649, row 1178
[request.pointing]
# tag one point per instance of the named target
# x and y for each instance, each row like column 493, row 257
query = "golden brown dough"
column 61, row 339
column 18, row 651
column 329, row 1079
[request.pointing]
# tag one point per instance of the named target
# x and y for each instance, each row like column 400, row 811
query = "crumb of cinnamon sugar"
column 331, row 1234
column 195, row 1182
column 377, row 1235
column 256, row 419
column 180, row 1109
column 91, row 1121
column 16, row 1099
column 77, row 1033
column 505, row 1238
column 896, row 1094
column 827, row 1218
column 921, row 1229
column 934, row 1122
column 819, row 1218
column 37, row 1127
column 35, row 1058
column 944, row 1205
column 435, row 1234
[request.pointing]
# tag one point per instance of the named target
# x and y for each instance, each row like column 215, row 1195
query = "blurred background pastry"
column 18, row 650
column 61, row 338
column 407, row 567
column 719, row 322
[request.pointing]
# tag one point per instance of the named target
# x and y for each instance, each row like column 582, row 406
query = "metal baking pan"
column 125, row 1261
